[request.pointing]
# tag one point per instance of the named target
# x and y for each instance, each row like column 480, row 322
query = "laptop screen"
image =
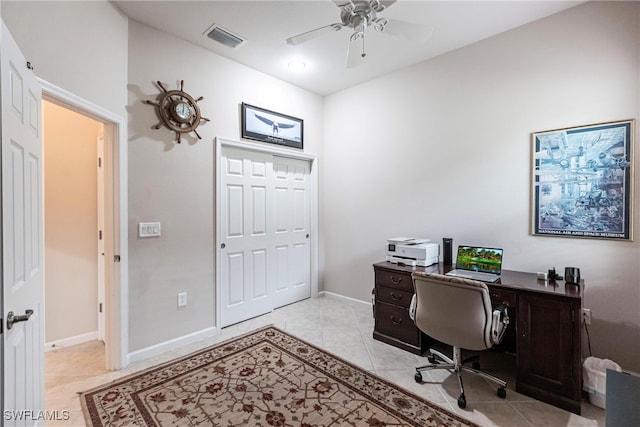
column 486, row 260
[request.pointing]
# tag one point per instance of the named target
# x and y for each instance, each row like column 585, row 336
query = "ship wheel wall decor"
column 178, row 111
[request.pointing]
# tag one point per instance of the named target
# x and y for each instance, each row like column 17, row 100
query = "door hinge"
column 99, row 162
column 99, row 234
column 116, row 258
column 100, row 308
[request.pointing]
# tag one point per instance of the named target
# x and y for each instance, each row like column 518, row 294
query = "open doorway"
column 114, row 232
column 114, row 236
column 74, row 208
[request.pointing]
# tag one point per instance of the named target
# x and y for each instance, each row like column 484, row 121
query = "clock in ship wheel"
column 178, row 111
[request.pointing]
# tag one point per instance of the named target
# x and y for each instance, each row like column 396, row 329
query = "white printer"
column 412, row 251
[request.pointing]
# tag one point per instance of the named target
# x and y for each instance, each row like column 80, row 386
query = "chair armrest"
column 412, row 308
column 499, row 323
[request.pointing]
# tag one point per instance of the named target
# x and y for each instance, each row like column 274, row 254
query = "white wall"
column 80, row 46
column 460, row 124
column 174, row 184
column 71, row 223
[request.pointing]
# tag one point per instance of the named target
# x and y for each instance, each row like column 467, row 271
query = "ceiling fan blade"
column 408, row 30
column 310, row 35
column 355, row 52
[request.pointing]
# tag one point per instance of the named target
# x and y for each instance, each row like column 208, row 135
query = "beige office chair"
column 457, row 312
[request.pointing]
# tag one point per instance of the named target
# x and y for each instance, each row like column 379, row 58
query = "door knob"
column 12, row 318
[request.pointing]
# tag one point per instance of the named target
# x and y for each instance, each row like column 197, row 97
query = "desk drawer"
column 502, row 296
column 393, row 296
column 395, row 322
column 395, row 280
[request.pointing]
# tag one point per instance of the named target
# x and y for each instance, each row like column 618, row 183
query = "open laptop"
column 477, row 263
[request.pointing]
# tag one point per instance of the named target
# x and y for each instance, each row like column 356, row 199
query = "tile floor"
column 343, row 328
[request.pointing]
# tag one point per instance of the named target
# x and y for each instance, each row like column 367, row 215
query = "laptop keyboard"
column 476, row 275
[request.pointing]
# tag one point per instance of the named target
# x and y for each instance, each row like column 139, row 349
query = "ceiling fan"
column 359, row 15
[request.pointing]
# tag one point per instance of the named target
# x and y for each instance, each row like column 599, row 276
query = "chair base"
column 458, row 365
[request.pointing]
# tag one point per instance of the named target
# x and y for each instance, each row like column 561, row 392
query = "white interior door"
column 292, row 221
column 22, row 234
column 264, row 216
column 247, row 280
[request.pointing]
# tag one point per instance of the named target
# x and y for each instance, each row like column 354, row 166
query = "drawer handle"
column 396, row 297
column 394, row 321
column 396, row 281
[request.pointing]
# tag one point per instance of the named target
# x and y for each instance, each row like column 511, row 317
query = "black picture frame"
column 582, row 181
column 264, row 125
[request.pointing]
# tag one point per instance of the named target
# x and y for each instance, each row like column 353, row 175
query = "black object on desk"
column 572, row 275
column 447, row 251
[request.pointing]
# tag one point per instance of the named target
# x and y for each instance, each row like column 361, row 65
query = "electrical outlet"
column 586, row 315
column 182, row 299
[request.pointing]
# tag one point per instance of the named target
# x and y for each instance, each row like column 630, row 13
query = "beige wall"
column 174, row 184
column 85, row 48
column 463, row 120
column 70, row 204
column 80, row 46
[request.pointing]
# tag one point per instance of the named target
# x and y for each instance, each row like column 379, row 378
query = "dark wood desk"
column 545, row 335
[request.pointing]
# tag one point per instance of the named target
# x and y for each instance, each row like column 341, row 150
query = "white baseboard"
column 343, row 298
column 163, row 347
column 67, row 342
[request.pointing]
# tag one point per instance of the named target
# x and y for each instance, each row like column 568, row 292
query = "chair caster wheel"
column 462, row 402
column 418, row 377
column 502, row 392
column 432, row 359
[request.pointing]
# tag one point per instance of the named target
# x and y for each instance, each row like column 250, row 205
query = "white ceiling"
column 267, row 24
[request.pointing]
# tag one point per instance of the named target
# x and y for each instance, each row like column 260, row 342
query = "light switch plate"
column 182, row 299
column 148, row 229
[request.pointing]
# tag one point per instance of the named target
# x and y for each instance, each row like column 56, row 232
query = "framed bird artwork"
column 268, row 126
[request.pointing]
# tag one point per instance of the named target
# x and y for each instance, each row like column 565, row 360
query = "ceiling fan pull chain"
column 363, row 53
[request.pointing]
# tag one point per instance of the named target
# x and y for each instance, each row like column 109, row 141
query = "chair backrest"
column 453, row 310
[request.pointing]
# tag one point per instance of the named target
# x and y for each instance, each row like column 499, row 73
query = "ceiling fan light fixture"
column 356, row 36
column 349, row 7
column 358, row 15
column 377, row 6
column 380, row 24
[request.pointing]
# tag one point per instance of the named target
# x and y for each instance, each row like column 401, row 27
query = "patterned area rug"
column 264, row 378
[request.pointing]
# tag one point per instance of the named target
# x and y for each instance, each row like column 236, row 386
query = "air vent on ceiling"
column 224, row 36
